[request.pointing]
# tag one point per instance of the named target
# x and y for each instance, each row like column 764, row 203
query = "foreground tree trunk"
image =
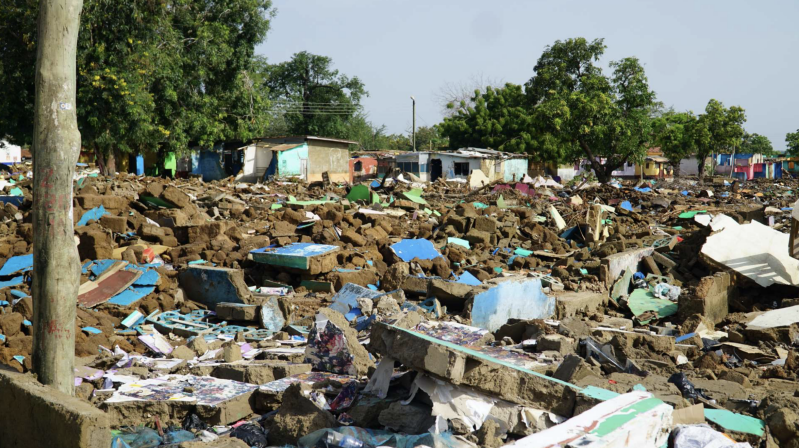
column 56, row 147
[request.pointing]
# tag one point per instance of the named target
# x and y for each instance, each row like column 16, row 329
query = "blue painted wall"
column 289, row 160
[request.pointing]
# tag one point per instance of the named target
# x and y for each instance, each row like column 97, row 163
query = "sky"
column 740, row 52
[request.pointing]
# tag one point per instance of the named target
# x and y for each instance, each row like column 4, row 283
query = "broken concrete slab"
column 211, row 285
column 510, row 298
column 755, row 251
column 347, row 297
column 216, row 401
column 635, row 419
column 34, row 415
column 617, row 263
column 310, row 258
column 237, row 312
column 466, row 365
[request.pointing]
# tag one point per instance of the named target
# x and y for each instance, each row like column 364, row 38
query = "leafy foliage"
column 498, row 118
column 721, row 130
column 677, row 135
column 756, row 144
column 151, row 75
column 314, row 98
column 792, row 141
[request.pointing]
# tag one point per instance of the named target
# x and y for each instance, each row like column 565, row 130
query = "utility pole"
column 56, row 147
column 414, row 123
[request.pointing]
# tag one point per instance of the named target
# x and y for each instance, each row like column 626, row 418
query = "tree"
column 585, row 113
column 756, row 144
column 56, row 146
column 151, row 75
column 314, row 98
column 792, row 141
column 675, row 133
column 498, row 118
column 453, row 96
column 429, row 138
column 723, row 131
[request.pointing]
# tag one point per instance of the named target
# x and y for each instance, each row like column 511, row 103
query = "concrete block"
column 116, row 224
column 475, row 236
column 307, row 258
column 556, row 343
column 617, row 263
column 33, row 415
column 211, row 286
column 177, row 197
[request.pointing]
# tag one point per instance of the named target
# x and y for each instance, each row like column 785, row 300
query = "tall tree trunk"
column 110, row 164
column 98, row 154
column 56, row 146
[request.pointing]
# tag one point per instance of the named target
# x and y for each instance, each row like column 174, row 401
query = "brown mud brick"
column 486, row 224
column 116, row 224
column 115, row 203
column 475, row 236
column 255, row 372
column 572, row 303
column 350, row 237
column 237, row 312
column 204, row 233
column 361, row 277
column 95, row 245
column 177, row 197
column 298, row 416
column 450, row 294
column 34, row 415
column 667, row 263
column 711, row 298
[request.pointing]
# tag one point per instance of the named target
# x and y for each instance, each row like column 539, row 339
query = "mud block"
column 237, row 311
column 571, row 303
column 95, row 245
column 361, row 277
column 37, row 416
column 259, row 372
column 478, row 237
column 116, row 224
column 177, row 197
column 711, row 298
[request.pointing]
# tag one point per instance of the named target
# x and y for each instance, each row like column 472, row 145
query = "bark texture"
column 56, row 147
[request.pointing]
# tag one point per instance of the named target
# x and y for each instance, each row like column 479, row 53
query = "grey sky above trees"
column 739, row 52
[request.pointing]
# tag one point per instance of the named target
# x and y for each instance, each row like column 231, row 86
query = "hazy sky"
column 739, row 52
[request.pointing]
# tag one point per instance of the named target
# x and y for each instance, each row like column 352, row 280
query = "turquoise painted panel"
column 289, row 160
column 517, row 167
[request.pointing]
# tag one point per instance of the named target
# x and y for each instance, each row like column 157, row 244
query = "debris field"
column 401, row 313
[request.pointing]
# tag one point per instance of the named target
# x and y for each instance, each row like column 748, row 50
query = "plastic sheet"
column 372, row 438
column 702, row 436
column 251, row 434
column 686, row 387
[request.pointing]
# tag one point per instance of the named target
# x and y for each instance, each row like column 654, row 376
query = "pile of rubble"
column 399, row 313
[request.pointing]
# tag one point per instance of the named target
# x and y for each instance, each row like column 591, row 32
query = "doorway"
column 435, row 169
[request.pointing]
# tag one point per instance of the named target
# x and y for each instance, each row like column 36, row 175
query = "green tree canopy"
column 314, row 98
column 721, row 129
column 676, row 134
column 583, row 112
column 792, row 141
column 498, row 118
column 151, row 75
column 756, row 144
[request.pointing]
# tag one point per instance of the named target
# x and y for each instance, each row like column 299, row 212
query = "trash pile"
column 401, row 313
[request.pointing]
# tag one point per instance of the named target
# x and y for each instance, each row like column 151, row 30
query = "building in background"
column 305, row 157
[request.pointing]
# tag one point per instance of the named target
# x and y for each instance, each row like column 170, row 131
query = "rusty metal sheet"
column 108, row 287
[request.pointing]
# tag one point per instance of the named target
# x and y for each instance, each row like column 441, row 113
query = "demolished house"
column 409, row 314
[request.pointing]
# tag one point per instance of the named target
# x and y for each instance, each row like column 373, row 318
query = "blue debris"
column 18, row 294
column 100, row 266
column 375, row 184
column 642, row 190
column 513, row 298
column 131, row 295
column 685, row 192
column 347, row 297
column 2, row 338
column 626, row 206
column 684, row 337
column 91, row 330
column 20, row 263
column 16, row 281
column 468, row 279
column 133, row 319
column 422, row 249
column 372, row 287
column 27, row 323
column 92, row 215
column 353, row 314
